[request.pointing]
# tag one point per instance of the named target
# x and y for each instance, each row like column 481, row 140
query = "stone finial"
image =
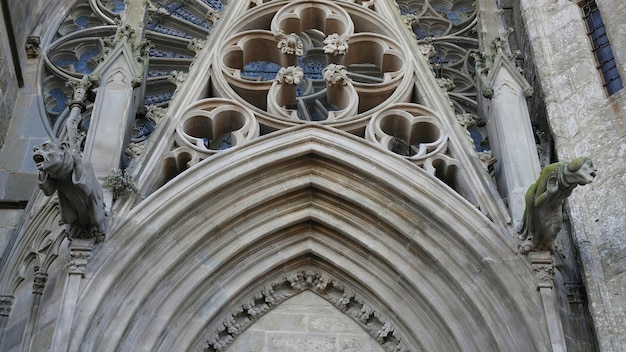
column 543, row 215
column 290, row 75
column 80, row 194
column 289, row 44
column 335, row 74
column 336, row 44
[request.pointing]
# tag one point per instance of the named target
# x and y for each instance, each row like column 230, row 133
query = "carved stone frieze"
column 326, row 286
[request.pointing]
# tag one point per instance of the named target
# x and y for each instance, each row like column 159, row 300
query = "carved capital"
column 336, row 44
column 6, row 303
column 290, row 75
column 335, row 74
column 543, row 268
column 39, row 282
column 79, row 91
column 289, row 44
column 79, row 257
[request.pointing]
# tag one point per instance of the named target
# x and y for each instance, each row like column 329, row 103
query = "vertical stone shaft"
column 543, row 267
column 6, row 302
column 39, row 283
column 80, row 253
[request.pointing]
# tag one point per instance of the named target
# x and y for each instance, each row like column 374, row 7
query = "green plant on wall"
column 120, row 182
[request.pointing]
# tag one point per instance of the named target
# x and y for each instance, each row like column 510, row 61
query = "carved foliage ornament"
column 323, row 284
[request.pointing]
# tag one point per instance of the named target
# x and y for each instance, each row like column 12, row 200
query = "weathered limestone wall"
column 8, row 81
column 584, row 121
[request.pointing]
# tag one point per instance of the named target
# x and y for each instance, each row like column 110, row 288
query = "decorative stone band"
column 6, row 303
column 326, row 286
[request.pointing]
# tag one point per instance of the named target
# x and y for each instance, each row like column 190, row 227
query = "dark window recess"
column 601, row 47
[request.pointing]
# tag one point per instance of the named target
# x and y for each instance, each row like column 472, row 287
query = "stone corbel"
column 213, row 15
column 196, row 45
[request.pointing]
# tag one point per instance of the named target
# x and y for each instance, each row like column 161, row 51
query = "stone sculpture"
column 543, row 216
column 79, row 191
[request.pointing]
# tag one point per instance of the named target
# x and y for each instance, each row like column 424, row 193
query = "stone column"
column 39, row 283
column 77, row 106
column 543, row 267
column 80, row 253
column 6, row 303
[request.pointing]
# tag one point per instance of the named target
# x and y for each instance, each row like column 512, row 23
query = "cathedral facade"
column 312, row 175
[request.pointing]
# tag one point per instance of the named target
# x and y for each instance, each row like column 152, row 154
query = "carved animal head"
column 53, row 159
column 580, row 171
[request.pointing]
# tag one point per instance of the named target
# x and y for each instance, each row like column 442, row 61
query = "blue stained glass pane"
column 89, row 54
column 81, row 22
column 216, row 4
column 61, row 100
column 262, row 70
column 118, row 6
column 64, row 62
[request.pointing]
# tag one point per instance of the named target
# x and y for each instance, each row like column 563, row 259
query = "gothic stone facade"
column 308, row 175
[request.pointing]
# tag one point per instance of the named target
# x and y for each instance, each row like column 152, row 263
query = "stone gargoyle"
column 80, row 193
column 543, row 215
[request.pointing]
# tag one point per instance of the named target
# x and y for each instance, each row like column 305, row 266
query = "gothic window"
column 601, row 47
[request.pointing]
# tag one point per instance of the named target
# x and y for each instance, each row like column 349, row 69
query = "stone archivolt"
column 309, row 197
column 323, row 284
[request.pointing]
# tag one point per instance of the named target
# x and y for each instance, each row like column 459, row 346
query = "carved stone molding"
column 340, row 295
column 6, row 304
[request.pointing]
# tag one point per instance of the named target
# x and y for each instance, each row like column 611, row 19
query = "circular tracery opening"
column 310, row 36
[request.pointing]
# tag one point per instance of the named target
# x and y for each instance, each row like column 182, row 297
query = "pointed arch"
column 317, row 198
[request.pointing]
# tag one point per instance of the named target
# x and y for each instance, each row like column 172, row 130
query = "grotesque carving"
column 543, row 216
column 80, row 194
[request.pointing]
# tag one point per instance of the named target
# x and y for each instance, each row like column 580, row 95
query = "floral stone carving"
column 543, row 216
column 80, row 194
